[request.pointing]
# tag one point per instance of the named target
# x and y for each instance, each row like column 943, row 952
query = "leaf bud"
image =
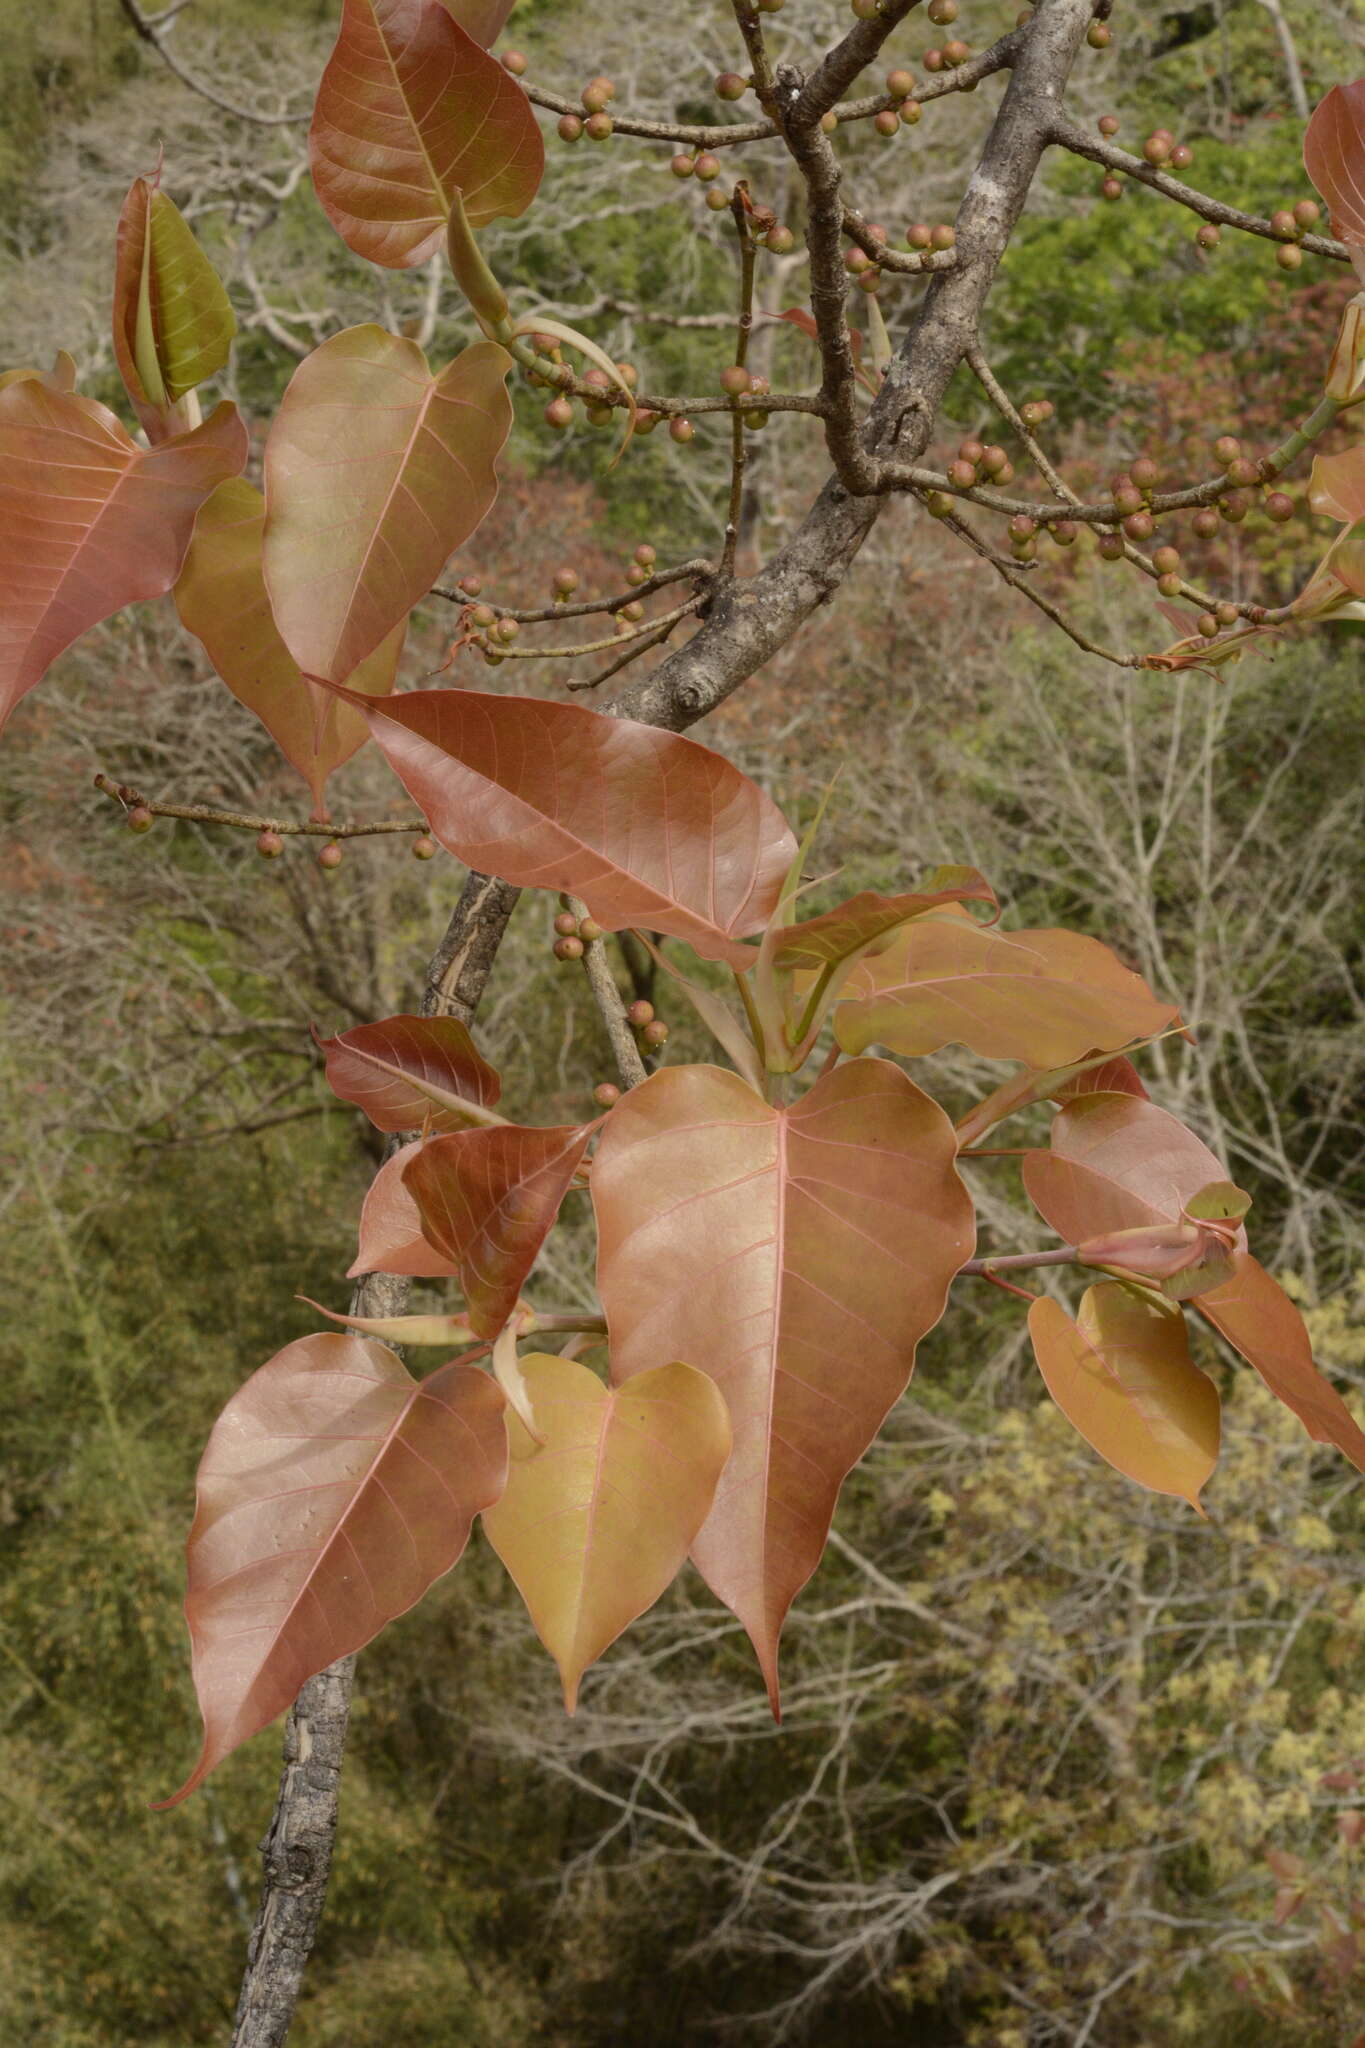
column 270, row 845
column 640, row 1013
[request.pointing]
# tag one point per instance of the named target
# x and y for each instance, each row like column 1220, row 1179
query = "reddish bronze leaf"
column 375, row 472
column 391, row 1235
column 648, row 828
column 1094, row 1075
column 482, row 19
column 594, row 1524
column 797, row 1256
column 1258, row 1319
column 173, row 323
column 840, row 935
column 407, row 1071
column 1045, row 997
column 222, row 599
column 410, row 111
column 1117, row 1163
column 1123, row 1377
column 1336, row 488
column 1334, row 157
column 333, row 1490
column 89, row 522
column 488, row 1199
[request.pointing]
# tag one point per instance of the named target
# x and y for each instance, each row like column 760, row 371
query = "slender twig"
column 1009, row 574
column 610, row 1007
column 1019, row 1262
column 744, row 327
column 592, row 646
column 697, row 570
column 638, row 644
column 209, row 814
column 148, row 29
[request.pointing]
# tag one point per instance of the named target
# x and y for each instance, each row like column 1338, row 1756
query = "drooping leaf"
column 1334, row 157
column 647, row 828
column 391, row 1235
column 89, row 522
column 1044, row 997
column 797, row 1256
column 405, row 1072
column 173, row 322
column 1123, row 1376
column 594, row 1525
column 1117, row 1163
column 488, row 1199
column 856, row 926
column 222, row 599
column 411, row 110
column 1258, row 1319
column 447, row 1333
column 1096, row 1074
column 333, row 1490
column 375, row 472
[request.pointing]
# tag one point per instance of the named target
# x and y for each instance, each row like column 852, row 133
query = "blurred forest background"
column 1061, row 1764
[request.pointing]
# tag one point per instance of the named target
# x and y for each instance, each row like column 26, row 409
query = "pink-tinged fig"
column 376, row 470
column 173, row 323
column 333, row 1490
column 90, row 522
column 411, row 111
column 222, row 599
column 795, row 1255
column 1123, row 1377
column 391, row 1235
column 488, row 1200
column 647, row 828
column 411, row 1072
column 1334, row 158
column 594, row 1524
column 1120, row 1164
column 1045, row 997
column 1256, row 1316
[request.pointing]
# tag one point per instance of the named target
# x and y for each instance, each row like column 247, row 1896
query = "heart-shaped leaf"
column 1258, row 1319
column 647, row 828
column 391, row 1236
column 410, row 111
column 89, row 522
column 1334, row 157
column 594, row 1525
column 1123, row 1376
column 333, row 1490
column 222, row 599
column 488, row 1199
column 173, row 322
column 1045, row 997
column 406, row 1072
column 375, row 472
column 797, row 1256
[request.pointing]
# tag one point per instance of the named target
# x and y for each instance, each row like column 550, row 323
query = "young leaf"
column 1097, row 1074
column 391, row 1235
column 173, row 322
column 1334, row 157
column 448, row 1333
column 1336, row 489
column 89, row 522
column 1123, row 1376
column 647, row 828
column 595, row 1525
column 1117, row 1163
column 411, row 110
column 797, row 1256
column 1045, row 997
column 333, row 1490
column 1257, row 1318
column 405, row 1072
column 375, row 472
column 839, row 936
column 222, row 599
column 61, row 377
column 488, row 1199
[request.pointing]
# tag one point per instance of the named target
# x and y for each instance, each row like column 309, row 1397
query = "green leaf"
column 173, row 322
